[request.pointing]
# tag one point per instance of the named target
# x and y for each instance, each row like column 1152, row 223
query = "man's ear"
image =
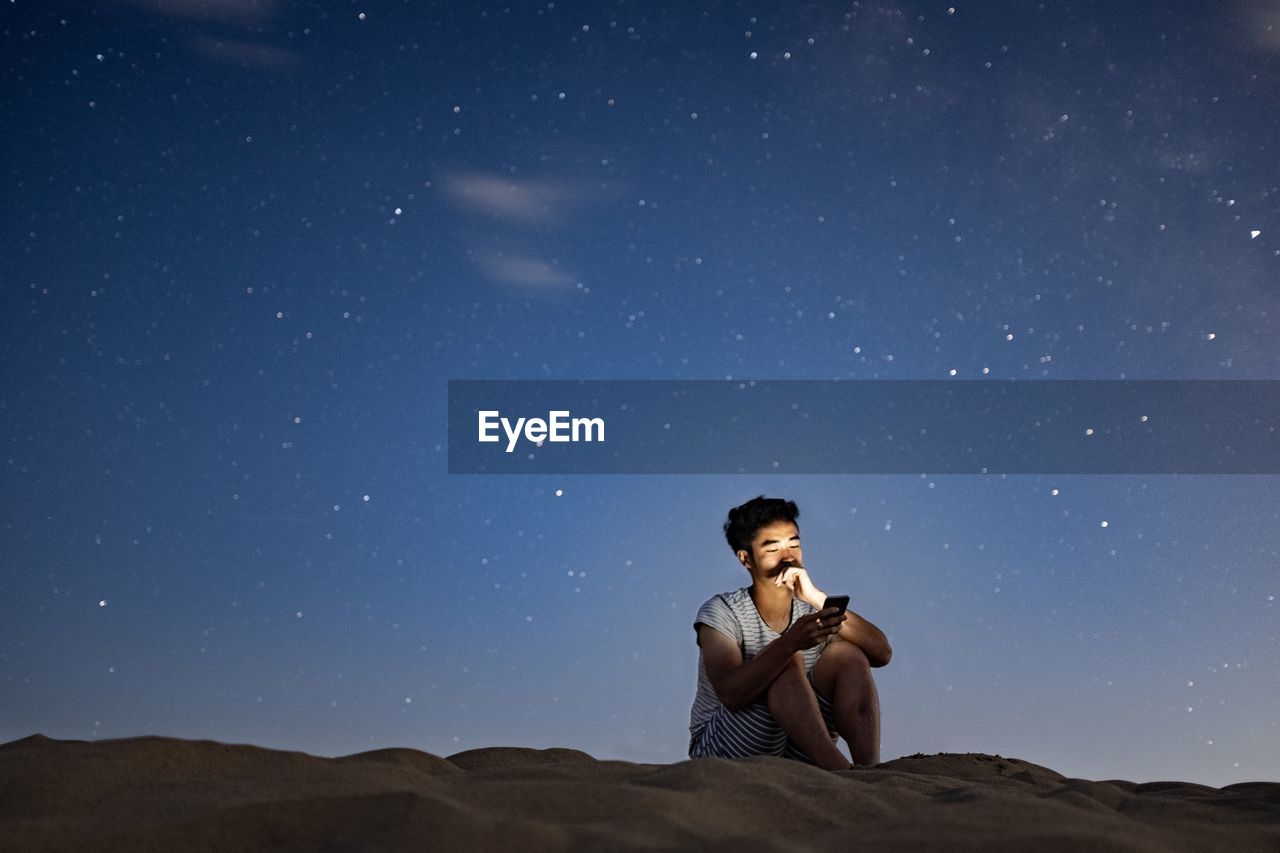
column 744, row 557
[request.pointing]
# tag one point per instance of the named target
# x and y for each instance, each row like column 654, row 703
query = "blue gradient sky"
column 249, row 242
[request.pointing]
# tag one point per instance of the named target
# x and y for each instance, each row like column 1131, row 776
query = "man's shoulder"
column 733, row 599
column 725, row 608
column 723, row 612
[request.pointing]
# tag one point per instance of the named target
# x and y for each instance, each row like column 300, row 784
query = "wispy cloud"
column 526, row 201
column 222, row 18
column 1260, row 20
column 246, row 54
column 523, row 270
column 527, row 212
column 242, row 12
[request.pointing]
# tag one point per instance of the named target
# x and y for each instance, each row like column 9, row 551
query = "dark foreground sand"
column 162, row 794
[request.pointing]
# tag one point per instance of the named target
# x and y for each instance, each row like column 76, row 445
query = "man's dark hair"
column 758, row 512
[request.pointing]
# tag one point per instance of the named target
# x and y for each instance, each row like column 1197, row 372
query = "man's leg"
column 795, row 707
column 843, row 676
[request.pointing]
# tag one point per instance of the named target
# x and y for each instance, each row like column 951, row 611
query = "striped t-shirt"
column 735, row 615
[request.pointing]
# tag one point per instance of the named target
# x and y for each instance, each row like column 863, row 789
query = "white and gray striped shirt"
column 735, row 615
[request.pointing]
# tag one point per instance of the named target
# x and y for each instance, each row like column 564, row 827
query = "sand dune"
column 155, row 793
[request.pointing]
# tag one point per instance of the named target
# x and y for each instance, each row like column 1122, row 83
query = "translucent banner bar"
column 864, row 427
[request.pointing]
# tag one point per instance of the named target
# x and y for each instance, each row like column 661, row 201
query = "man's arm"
column 737, row 683
column 856, row 630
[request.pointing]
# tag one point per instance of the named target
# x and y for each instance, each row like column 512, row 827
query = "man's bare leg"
column 795, row 707
column 843, row 675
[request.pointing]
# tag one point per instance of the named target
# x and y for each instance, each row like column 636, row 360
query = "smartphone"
column 841, row 601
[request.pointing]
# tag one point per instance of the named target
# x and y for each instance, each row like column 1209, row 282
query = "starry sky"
column 248, row 243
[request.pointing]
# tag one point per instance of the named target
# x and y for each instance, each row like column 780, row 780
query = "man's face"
column 773, row 544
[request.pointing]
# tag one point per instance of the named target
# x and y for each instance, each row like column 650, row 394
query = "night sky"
column 247, row 243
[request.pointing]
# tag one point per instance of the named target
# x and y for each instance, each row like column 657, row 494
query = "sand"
column 158, row 793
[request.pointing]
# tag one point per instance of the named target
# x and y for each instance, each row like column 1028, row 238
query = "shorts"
column 752, row 731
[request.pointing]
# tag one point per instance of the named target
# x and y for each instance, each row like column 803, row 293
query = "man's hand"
column 796, row 578
column 814, row 629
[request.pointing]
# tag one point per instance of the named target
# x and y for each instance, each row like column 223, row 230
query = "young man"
column 777, row 675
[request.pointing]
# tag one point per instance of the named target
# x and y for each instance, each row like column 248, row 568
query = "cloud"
column 511, row 220
column 523, row 270
column 1260, row 22
column 246, row 16
column 246, row 54
column 243, row 12
column 525, row 201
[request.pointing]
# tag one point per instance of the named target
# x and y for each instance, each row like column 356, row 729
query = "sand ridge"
column 160, row 793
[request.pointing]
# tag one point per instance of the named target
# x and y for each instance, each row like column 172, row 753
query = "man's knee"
column 858, row 659
column 854, row 667
column 842, row 662
column 847, row 656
